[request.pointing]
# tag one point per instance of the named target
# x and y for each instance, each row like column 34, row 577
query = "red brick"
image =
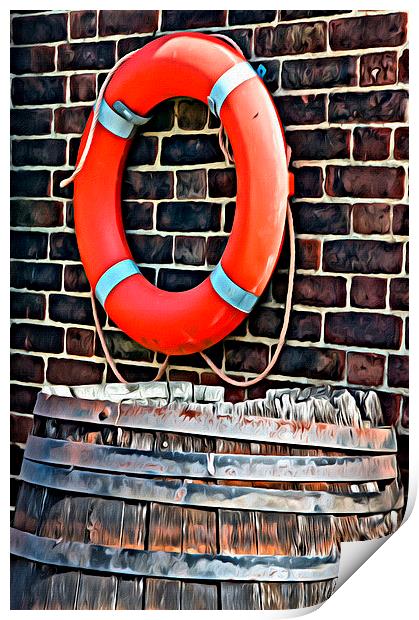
column 23, row 397
column 83, row 24
column 71, row 120
column 27, row 306
column 133, row 374
column 290, row 15
column 319, row 143
column 405, row 412
column 215, row 249
column 320, row 291
column 192, row 114
column 371, row 143
column 371, row 218
column 151, row 248
column 365, row 181
column 123, row 348
column 185, row 20
column 267, row 322
column 307, row 255
column 245, row 356
column 400, row 219
column 314, row 363
column 190, row 149
column 63, row 246
column 148, row 185
column 44, row 152
column 362, row 256
column 381, row 331
column 368, row 31
column 398, row 371
column 399, row 294
column 378, row 69
column 190, row 250
column 33, row 59
column 243, row 37
column 290, row 39
column 28, row 244
column 75, row 372
column 321, row 218
column 143, row 150
column 30, row 183
column 125, row 46
column 20, row 427
column 404, row 67
column 44, row 213
column 39, row 28
column 222, row 183
column 184, row 375
column 71, row 309
column 319, row 72
column 188, row 216
column 80, row 341
column 368, row 292
column 191, row 184
column 30, row 122
column 177, row 280
column 127, row 22
column 83, row 87
column 401, row 143
column 308, row 182
column 75, row 280
column 390, row 405
column 42, row 338
column 380, row 106
column 86, row 55
column 27, row 368
column 301, row 110
column 365, row 368
column 36, row 276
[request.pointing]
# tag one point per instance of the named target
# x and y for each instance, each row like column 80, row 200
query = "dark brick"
column 38, row 90
column 289, row 15
column 390, row 405
column 307, row 255
column 405, row 412
column 180, row 280
column 30, row 183
column 290, row 39
column 69, row 309
column 188, row 216
column 28, row 244
column 378, row 69
column 192, row 114
column 27, row 306
column 148, row 185
column 201, row 149
column 137, row 215
column 386, row 106
column 75, row 280
column 61, row 192
column 27, row 368
column 380, row 331
column 30, row 122
column 191, row 183
column 63, row 246
column 406, row 332
column 267, row 322
column 123, row 348
column 39, row 152
column 125, row 46
column 271, row 77
column 86, row 55
column 371, row 143
column 80, row 341
column 229, row 216
column 365, row 182
column 215, row 249
column 243, row 37
column 36, row 213
column 399, row 294
column 245, row 356
column 366, row 368
column 215, row 353
column 371, row 218
column 368, row 292
column 321, row 218
column 368, row 31
column 151, row 248
column 23, row 397
column 75, row 372
column 311, row 362
column 190, row 250
column 162, row 117
column 132, row 374
column 299, row 110
column 308, row 182
column 184, row 375
column 16, row 458
column 39, row 28
column 406, row 266
column 398, row 371
column 33, row 59
column 83, row 87
column 44, row 338
column 319, row 72
column 83, row 24
column 73, row 150
column 401, row 143
column 222, row 183
column 319, row 144
column 143, row 150
column 127, row 22
column 184, row 20
column 71, row 120
column 320, row 291
column 401, row 220
column 36, row 276
column 362, row 256
column 404, row 67
column 20, row 427
column 236, row 18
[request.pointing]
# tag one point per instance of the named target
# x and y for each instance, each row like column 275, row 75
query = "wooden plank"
column 237, row 532
column 317, row 534
column 62, row 590
column 130, row 593
column 200, row 596
column 165, row 528
column 104, row 521
column 96, row 591
column 277, row 533
column 54, row 514
column 28, row 507
column 41, row 582
column 162, row 594
column 76, row 518
column 276, row 596
column 20, row 583
column 237, row 596
column 134, row 525
column 317, row 592
column 199, row 531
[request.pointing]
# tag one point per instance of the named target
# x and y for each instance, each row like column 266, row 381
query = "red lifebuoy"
column 198, row 66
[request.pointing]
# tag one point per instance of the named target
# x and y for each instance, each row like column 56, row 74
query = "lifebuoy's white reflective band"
column 225, row 84
column 113, row 276
column 231, row 292
column 119, row 120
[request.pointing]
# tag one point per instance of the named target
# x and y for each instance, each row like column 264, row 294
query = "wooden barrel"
column 163, row 496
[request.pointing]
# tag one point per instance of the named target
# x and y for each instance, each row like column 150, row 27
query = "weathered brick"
column 127, row 22
column 301, row 110
column 215, row 249
column 151, row 248
column 243, row 37
column 245, row 356
column 39, row 28
column 190, row 250
column 75, row 372
column 30, row 183
column 201, row 149
column 180, row 280
column 38, row 90
column 83, row 24
column 398, row 371
column 390, row 405
column 380, row 331
column 71, row 120
column 229, row 211
column 132, row 374
column 319, row 143
column 368, row 292
column 43, row 338
column 191, row 183
column 36, row 276
column 362, row 256
column 184, row 20
column 125, row 46
column 371, row 218
column 320, row 291
column 27, row 306
column 30, row 213
column 378, row 69
column 271, row 77
column 23, row 397
column 63, row 246
column 143, row 150
column 61, row 192
column 399, row 294
column 71, row 309
column 321, row 218
column 137, row 215
column 39, row 152
column 75, row 280
column 366, row 368
column 184, row 375
column 86, row 55
column 30, row 122
column 188, row 216
column 404, row 67
column 222, row 183
column 290, row 39
column 289, row 15
column 236, row 18
column 20, row 427
column 308, row 182
column 401, row 143
column 371, row 143
column 28, row 244
column 83, row 87
column 365, row 181
column 33, row 59
column 148, row 185
column 80, row 341
column 400, row 219
column 162, row 117
column 377, row 106
column 123, row 348
column 319, row 72
column 314, row 363
column 267, row 322
column 27, row 368
column 368, row 31
column 307, row 254
column 191, row 114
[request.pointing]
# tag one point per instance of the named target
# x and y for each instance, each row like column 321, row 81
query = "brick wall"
column 339, row 80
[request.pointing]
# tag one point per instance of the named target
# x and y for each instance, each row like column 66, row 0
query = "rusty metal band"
column 211, row 465
column 171, row 565
column 204, row 420
column 211, row 496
